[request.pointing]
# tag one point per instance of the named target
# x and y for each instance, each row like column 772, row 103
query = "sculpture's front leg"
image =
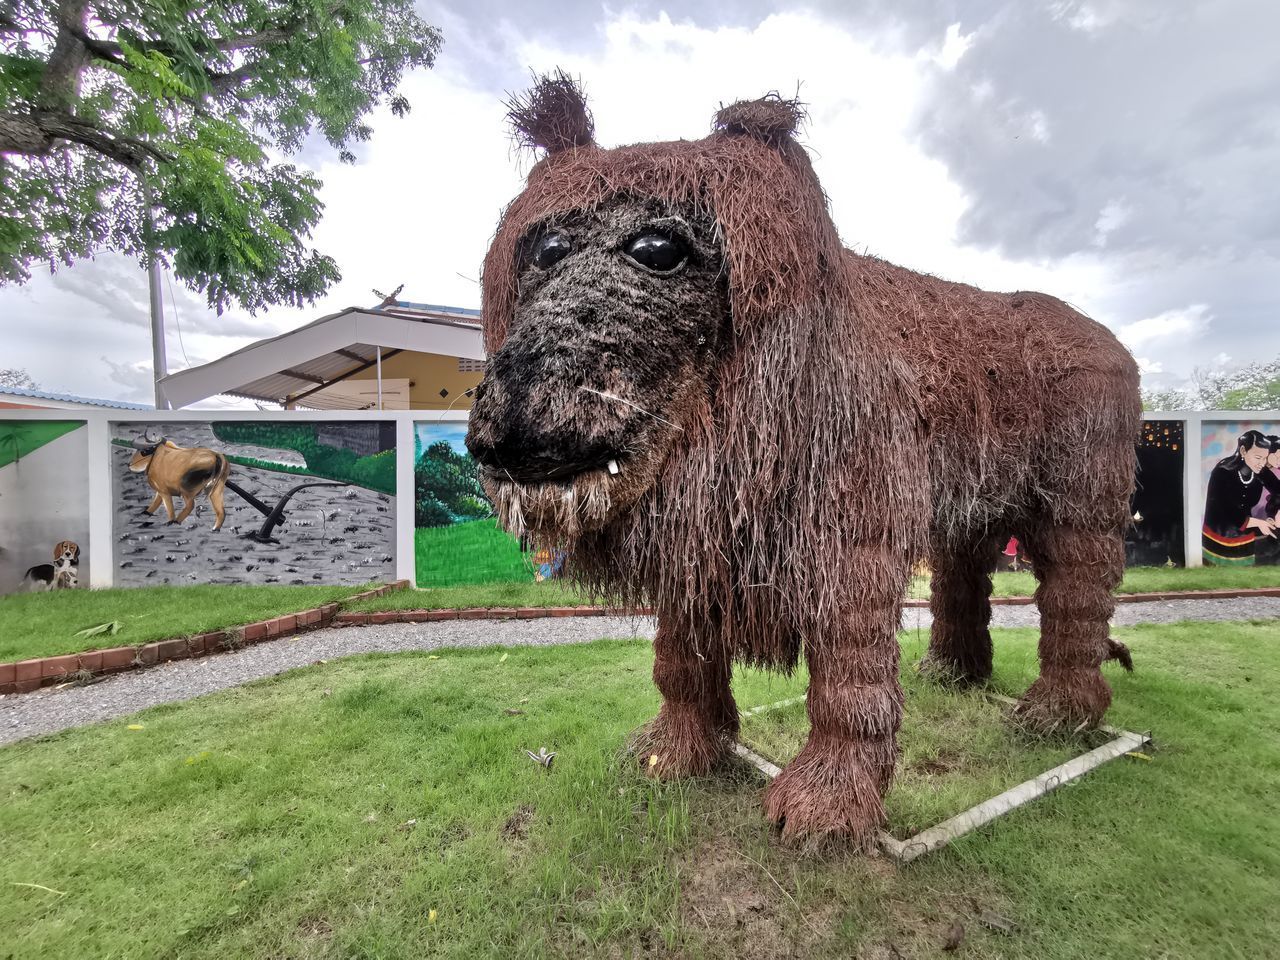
column 698, row 720
column 835, row 785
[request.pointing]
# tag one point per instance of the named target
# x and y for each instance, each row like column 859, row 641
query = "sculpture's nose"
column 513, row 447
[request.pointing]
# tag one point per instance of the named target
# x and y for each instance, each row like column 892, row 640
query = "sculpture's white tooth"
column 613, row 467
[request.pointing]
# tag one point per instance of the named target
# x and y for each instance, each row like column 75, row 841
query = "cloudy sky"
column 1121, row 154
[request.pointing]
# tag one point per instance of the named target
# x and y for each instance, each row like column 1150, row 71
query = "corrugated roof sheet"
column 70, row 398
column 320, row 370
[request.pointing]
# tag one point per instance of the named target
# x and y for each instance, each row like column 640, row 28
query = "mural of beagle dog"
column 62, row 574
column 181, row 471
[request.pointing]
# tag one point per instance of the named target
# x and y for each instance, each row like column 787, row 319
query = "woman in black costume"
column 1236, row 484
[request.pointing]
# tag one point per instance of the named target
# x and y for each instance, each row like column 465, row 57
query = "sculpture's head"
column 625, row 291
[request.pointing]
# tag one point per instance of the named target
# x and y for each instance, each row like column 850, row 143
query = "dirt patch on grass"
column 315, row 927
column 738, row 908
column 945, row 922
column 741, row 900
column 312, row 935
column 938, row 766
column 517, row 826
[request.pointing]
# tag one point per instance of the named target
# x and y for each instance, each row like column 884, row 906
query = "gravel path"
column 51, row 710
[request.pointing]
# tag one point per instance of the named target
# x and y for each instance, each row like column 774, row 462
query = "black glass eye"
column 657, row 252
column 550, row 249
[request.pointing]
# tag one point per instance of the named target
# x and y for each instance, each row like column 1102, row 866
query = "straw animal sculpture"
column 716, row 409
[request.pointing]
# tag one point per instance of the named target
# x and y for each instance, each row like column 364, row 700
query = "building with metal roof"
column 396, row 356
column 20, row 398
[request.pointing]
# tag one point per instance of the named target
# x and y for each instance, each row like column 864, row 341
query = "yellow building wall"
column 428, row 374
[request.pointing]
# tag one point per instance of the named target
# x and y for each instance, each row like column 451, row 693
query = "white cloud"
column 422, row 204
column 1184, row 323
column 954, row 45
column 134, row 379
column 1113, row 215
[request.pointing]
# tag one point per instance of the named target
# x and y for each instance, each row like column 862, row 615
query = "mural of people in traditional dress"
column 1242, row 495
column 242, row 501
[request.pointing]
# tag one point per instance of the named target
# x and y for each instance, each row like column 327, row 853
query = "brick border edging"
column 349, row 618
column 23, row 676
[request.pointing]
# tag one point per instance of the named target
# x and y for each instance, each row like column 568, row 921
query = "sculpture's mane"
column 755, row 518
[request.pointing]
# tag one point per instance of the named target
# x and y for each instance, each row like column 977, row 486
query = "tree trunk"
column 60, row 85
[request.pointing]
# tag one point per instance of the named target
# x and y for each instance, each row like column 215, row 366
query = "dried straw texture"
column 855, row 418
column 552, row 116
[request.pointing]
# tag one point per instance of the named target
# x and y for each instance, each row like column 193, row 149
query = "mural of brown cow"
column 187, row 472
column 724, row 413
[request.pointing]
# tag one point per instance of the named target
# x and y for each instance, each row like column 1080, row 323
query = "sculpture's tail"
column 1118, row 651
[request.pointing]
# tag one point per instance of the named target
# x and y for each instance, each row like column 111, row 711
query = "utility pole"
column 159, row 361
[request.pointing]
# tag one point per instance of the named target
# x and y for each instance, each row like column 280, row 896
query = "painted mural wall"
column 456, row 538
column 1240, row 480
column 253, row 502
column 44, row 508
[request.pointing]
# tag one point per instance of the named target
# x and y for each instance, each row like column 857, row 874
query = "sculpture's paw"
column 1064, row 701
column 953, row 672
column 678, row 742
column 826, row 795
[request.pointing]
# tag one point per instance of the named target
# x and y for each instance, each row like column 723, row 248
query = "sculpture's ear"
column 552, row 116
column 772, row 119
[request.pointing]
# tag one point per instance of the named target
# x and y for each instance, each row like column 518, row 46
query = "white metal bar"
column 943, row 833
column 771, row 706
column 770, row 770
column 1192, row 495
column 406, row 451
column 102, row 565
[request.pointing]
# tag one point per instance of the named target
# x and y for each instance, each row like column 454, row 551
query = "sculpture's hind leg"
column 698, row 719
column 834, row 787
column 1077, row 570
column 959, row 641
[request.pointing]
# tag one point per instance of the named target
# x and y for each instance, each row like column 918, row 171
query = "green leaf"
column 111, row 628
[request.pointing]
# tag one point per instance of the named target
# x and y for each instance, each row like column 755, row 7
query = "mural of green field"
column 474, row 551
column 19, row 438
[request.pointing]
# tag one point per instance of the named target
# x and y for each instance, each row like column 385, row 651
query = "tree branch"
column 38, row 132
column 109, row 50
column 221, row 83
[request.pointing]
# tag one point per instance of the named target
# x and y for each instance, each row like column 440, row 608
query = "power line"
column 176, row 322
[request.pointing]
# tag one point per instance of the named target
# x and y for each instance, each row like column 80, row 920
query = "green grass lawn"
column 382, row 807
column 473, row 552
column 515, row 587
column 45, row 624
column 549, row 594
